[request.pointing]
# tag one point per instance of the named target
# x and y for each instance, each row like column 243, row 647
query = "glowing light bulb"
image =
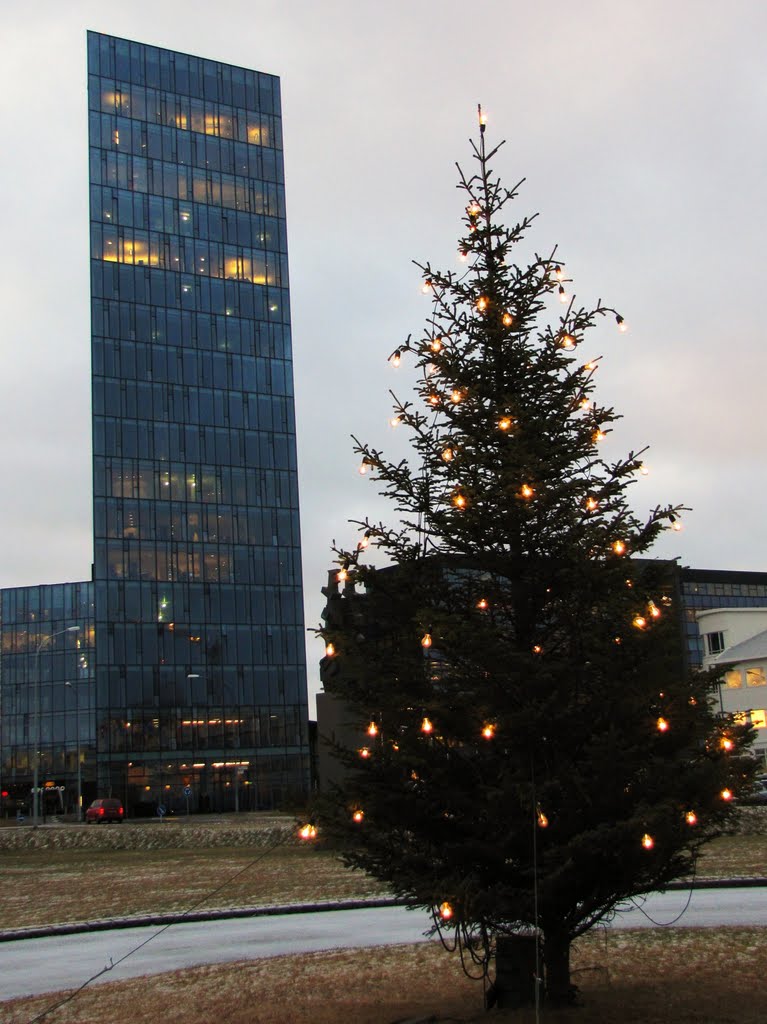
column 473, row 209
column 448, row 454
column 504, row 423
column 726, row 743
column 537, row 649
column 307, row 831
column 426, row 726
column 463, row 255
column 726, row 794
column 459, row 501
column 654, row 610
column 456, row 396
column 618, row 640
column 364, row 467
column 426, row 640
column 342, row 575
column 395, row 358
column 662, row 725
column 543, row 821
column 434, row 399
column 445, row 911
column 526, row 491
column 364, row 752
column 372, row 729
column 559, row 273
column 584, row 404
column 598, row 435
column 483, row 604
column 644, row 469
column 568, row 341
column 647, row 841
column 622, row 325
column 426, row 286
column 365, row 542
column 488, row 731
column 691, row 818
column 619, row 547
column 482, row 303
column 436, row 344
column 507, row 319
column 562, row 293
column 395, row 421
column 330, row 650
column 591, row 504
column 677, row 525
column 639, row 621
column 358, row 816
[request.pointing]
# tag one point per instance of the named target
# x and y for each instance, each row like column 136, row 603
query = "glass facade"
column 715, row 588
column 199, row 663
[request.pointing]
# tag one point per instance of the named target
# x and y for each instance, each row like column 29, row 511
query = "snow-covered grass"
column 690, row 976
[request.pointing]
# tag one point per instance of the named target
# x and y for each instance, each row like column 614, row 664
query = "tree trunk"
column 556, row 959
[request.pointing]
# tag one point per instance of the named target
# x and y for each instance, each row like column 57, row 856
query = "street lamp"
column 36, row 731
column 76, row 692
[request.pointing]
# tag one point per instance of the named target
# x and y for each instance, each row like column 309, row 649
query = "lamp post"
column 36, row 731
column 76, row 692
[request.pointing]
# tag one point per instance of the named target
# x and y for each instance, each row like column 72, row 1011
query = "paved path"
column 32, row 966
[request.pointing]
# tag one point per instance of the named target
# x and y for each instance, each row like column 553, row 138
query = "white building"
column 735, row 640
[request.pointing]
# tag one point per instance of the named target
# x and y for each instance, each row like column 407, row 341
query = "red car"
column 107, row 809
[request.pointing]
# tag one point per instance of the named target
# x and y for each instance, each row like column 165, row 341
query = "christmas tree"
column 529, row 749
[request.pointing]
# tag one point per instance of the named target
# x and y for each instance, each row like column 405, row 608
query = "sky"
column 639, row 128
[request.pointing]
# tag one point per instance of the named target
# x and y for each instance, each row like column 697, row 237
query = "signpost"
column 187, row 794
column 161, row 809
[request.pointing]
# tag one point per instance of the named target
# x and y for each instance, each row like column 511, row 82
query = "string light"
column 456, row 396
column 426, row 726
column 308, row 831
column 598, row 435
column 691, row 818
column 647, row 841
column 364, row 752
column 357, row 816
column 504, row 423
column 622, row 325
column 662, row 725
column 364, row 543
column 473, row 209
column 584, row 404
column 483, row 604
column 537, row 649
column 462, row 255
column 436, row 344
column 434, row 399
column 591, row 365
column 562, row 293
column 677, row 525
column 543, row 821
column 330, row 650
column 654, row 610
column 568, row 341
column 619, row 547
column 372, row 729
column 395, row 358
column 395, row 421
column 445, row 911
column 639, row 621
column 644, row 469
column 726, row 794
column 488, row 731
column 591, row 504
column 448, row 454
column 526, row 491
column 342, row 575
column 426, row 640
column 427, row 286
column 726, row 743
column 364, row 467
column 459, row 500
column 507, row 319
column 559, row 273
column 482, row 303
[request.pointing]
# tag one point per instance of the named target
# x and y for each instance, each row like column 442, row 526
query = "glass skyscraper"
column 197, row 670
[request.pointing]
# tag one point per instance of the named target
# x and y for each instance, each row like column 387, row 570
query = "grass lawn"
column 62, row 883
column 684, row 976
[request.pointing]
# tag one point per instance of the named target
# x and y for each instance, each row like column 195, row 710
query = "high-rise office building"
column 190, row 651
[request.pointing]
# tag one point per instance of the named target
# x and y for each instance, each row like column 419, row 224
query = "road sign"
column 187, row 791
column 161, row 810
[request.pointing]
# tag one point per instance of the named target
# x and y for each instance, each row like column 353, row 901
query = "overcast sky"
column 639, row 126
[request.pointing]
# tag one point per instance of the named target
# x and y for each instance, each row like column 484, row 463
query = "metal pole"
column 36, row 730
column 76, row 692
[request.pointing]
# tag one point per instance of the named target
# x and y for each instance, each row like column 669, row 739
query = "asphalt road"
column 33, row 966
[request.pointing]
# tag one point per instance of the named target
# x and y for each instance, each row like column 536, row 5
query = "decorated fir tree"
column 529, row 750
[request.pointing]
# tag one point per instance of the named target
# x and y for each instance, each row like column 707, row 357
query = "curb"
column 182, row 917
